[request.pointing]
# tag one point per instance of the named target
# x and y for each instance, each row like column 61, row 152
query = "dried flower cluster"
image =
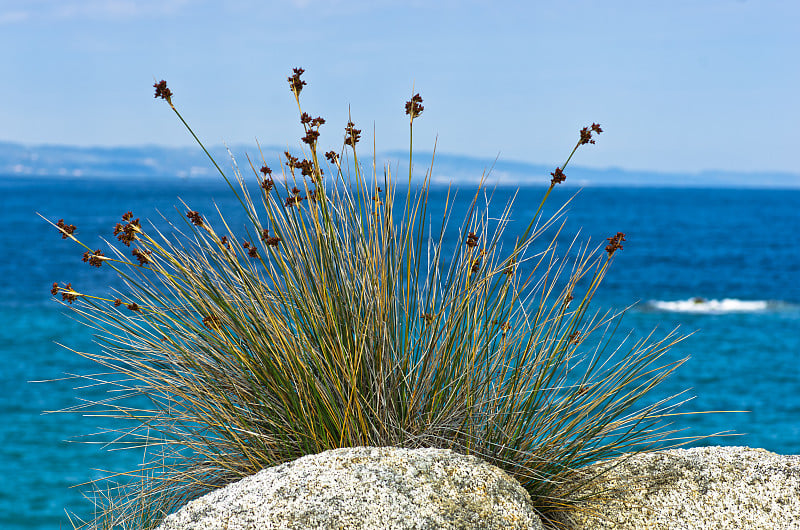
column 270, row 241
column 472, row 240
column 211, row 322
column 267, row 184
column 558, row 177
column 143, row 256
column 311, row 127
column 295, row 83
column 251, row 249
column 127, row 233
column 586, row 133
column 353, row 135
column 95, row 259
column 67, row 294
column 195, row 218
column 162, row 91
column 414, row 106
column 615, row 243
column 66, row 230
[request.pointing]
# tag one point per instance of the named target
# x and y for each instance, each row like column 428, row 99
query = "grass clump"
column 337, row 318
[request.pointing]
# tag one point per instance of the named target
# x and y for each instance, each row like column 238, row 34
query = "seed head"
column 311, row 137
column 270, row 241
column 68, row 295
column 142, row 255
column 195, row 217
column 332, row 157
column 306, row 167
column 558, row 177
column 414, row 106
column 472, row 240
column 295, row 83
column 163, row 92
column 54, row 290
column 133, row 306
column 95, row 259
column 615, row 243
column 294, row 201
column 353, row 135
column 211, row 322
column 265, row 170
column 586, row 133
column 291, row 161
column 66, row 230
column 127, row 233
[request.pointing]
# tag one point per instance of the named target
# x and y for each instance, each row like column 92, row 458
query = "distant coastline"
column 190, row 162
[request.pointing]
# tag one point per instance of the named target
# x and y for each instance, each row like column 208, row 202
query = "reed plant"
column 336, row 317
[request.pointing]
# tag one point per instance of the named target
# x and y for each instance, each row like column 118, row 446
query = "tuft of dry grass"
column 334, row 319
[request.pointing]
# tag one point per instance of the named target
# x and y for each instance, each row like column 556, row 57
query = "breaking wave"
column 712, row 306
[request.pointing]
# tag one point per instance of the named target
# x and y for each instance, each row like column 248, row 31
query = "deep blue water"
column 737, row 250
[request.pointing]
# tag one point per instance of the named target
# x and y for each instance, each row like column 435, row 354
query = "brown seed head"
column 54, row 290
column 142, row 255
column 353, row 135
column 306, row 168
column 133, row 306
column 265, row 170
column 311, row 137
column 162, row 91
column 93, row 258
column 117, row 302
column 127, row 233
column 211, row 322
column 295, row 83
column 68, row 295
column 267, row 184
column 586, row 133
column 558, row 177
column 414, row 106
column 472, row 240
column 332, row 157
column 294, row 201
column 476, row 264
column 66, row 230
column 615, row 243
column 268, row 240
column 195, row 217
column 291, row 161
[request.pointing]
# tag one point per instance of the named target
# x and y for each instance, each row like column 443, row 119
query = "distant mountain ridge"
column 190, row 162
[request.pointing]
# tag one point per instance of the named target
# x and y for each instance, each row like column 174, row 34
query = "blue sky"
column 677, row 86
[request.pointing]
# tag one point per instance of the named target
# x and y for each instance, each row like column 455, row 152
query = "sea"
column 721, row 265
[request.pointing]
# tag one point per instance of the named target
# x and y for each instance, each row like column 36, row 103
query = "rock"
column 706, row 487
column 367, row 488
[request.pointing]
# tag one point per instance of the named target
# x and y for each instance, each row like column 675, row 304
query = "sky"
column 676, row 86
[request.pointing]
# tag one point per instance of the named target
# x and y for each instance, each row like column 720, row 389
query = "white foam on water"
column 702, row 305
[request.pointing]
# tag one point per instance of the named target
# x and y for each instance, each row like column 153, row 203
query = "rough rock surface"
column 367, row 488
column 701, row 488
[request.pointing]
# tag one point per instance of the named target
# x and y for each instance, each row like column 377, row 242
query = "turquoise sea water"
column 724, row 263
